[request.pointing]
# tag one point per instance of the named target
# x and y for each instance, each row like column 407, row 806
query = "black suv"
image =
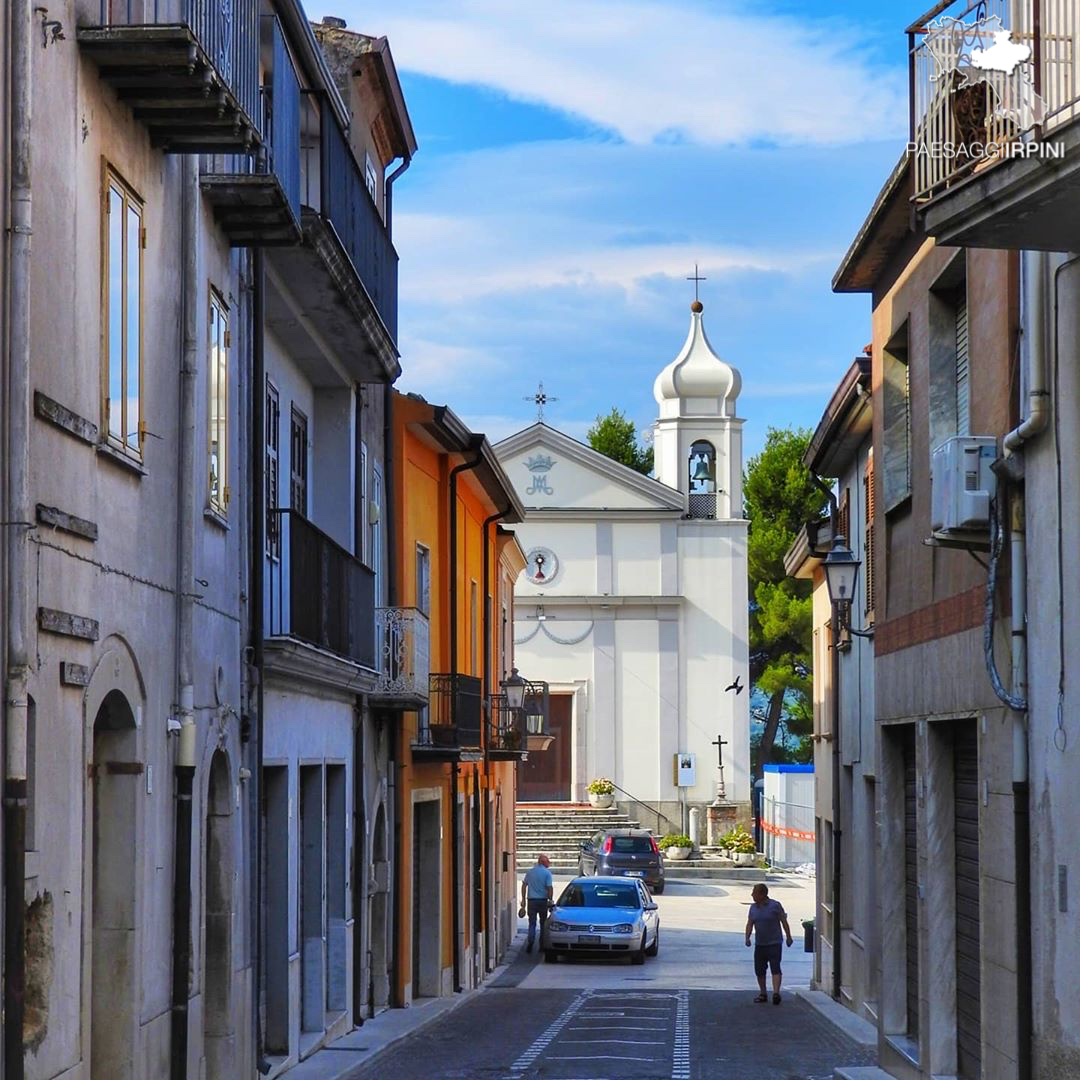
column 623, row 853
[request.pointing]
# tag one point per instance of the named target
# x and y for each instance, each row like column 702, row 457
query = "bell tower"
column 698, row 438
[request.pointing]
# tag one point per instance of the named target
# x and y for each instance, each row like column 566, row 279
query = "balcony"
column 507, row 740
column 402, row 637
column 337, row 292
column 256, row 198
column 997, row 152
column 189, row 69
column 451, row 727
column 319, row 594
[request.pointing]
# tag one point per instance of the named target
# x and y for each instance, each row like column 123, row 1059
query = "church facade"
column 633, row 604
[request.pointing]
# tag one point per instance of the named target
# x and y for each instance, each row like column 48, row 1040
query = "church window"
column 702, row 480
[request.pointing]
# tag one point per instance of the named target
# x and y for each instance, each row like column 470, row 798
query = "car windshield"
column 638, row 845
column 599, row 894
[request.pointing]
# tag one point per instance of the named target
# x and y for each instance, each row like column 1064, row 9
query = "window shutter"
column 963, row 390
column 845, row 517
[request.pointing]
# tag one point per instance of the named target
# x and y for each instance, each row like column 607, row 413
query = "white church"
column 633, row 605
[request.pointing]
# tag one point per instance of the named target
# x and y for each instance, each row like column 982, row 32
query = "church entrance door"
column 545, row 777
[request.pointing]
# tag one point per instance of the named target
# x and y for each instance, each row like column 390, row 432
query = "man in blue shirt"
column 537, row 891
column 767, row 918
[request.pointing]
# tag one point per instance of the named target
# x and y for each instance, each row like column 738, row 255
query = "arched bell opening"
column 701, row 466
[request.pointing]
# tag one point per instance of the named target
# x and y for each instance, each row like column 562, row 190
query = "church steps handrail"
column 645, row 806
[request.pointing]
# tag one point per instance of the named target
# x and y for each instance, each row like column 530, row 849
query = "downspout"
column 258, row 617
column 837, row 827
column 475, row 445
column 186, row 744
column 360, row 874
column 388, row 511
column 388, row 188
column 17, row 519
column 485, row 623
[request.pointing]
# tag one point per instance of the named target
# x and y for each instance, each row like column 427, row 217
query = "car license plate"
column 588, row 939
column 634, row 873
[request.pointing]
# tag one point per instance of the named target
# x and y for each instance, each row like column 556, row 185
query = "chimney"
column 334, row 21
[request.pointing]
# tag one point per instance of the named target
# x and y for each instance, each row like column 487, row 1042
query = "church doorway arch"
column 115, row 778
column 219, row 1035
column 546, row 776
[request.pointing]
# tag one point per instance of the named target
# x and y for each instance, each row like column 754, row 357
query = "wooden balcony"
column 452, row 727
column 188, row 69
column 256, row 198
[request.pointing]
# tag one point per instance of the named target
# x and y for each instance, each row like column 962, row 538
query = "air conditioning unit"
column 962, row 485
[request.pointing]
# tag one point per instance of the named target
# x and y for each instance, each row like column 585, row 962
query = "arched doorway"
column 219, row 1034
column 380, row 975
column 115, row 778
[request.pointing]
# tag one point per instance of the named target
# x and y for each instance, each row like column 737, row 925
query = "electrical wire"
column 1019, row 704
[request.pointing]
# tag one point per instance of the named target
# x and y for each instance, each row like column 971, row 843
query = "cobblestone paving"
column 520, row 1034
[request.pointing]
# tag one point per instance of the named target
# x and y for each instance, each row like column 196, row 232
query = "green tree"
column 780, row 498
column 614, row 436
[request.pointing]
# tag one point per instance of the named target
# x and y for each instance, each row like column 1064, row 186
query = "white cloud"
column 652, row 70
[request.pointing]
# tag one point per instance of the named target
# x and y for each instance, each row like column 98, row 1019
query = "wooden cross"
column 696, row 279
column 540, row 399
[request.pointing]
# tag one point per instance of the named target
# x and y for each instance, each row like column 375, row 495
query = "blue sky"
column 576, row 159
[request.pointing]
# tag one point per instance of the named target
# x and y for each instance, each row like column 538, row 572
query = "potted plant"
column 742, row 846
column 724, row 844
column 601, row 792
column 676, row 846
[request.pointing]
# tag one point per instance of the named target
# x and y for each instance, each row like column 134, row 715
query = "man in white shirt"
column 537, row 892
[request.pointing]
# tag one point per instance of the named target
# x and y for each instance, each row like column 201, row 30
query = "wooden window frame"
column 298, row 422
column 218, row 380
column 131, row 201
column 423, row 595
column 272, row 468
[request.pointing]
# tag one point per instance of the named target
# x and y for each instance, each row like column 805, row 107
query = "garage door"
column 968, row 996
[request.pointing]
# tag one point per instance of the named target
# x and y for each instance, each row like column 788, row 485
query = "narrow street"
column 689, row 1013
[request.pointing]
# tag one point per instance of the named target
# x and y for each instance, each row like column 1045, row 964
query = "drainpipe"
column 17, row 518
column 388, row 188
column 360, row 871
column 186, row 747
column 837, row 863
column 396, row 995
column 258, row 616
column 485, row 623
column 475, row 444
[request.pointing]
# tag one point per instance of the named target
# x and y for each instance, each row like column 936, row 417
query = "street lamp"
column 841, row 574
column 514, row 688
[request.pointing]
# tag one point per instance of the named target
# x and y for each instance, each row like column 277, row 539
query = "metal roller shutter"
column 966, row 797
column 911, row 883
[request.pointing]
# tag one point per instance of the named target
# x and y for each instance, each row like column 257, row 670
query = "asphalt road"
column 686, row 1015
column 622, row 1035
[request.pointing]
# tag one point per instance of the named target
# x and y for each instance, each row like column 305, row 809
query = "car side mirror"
column 652, row 906
column 585, row 845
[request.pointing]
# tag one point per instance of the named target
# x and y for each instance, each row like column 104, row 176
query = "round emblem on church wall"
column 541, row 566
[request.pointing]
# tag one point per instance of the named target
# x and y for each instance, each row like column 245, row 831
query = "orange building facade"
column 454, row 563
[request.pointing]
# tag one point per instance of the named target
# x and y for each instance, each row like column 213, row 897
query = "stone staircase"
column 558, row 830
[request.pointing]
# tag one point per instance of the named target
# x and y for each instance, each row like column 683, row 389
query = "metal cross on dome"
column 540, row 399
column 696, row 279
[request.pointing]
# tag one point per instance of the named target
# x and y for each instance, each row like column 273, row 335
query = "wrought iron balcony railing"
column 507, row 738
column 349, row 207
column 968, row 109
column 319, row 593
column 256, row 197
column 188, row 68
column 453, row 722
column 402, row 640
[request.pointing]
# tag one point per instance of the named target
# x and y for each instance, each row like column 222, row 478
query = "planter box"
column 601, row 802
column 744, row 858
column 677, row 853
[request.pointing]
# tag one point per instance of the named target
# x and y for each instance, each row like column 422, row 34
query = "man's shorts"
column 767, row 956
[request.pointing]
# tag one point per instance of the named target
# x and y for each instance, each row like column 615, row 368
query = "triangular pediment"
column 552, row 471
